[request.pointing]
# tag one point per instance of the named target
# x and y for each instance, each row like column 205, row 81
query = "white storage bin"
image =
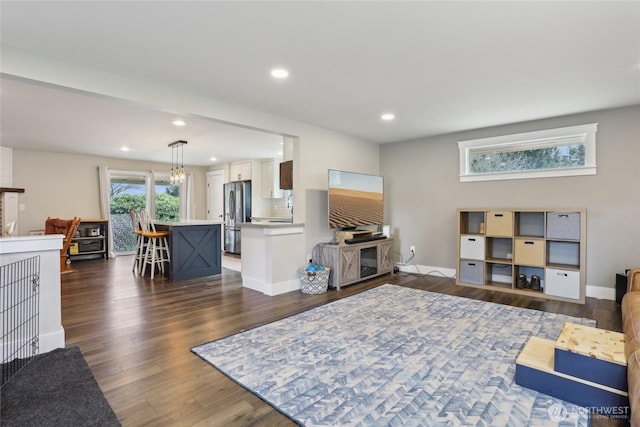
column 562, row 283
column 472, row 247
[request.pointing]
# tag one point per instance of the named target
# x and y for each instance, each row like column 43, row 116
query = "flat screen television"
column 355, row 199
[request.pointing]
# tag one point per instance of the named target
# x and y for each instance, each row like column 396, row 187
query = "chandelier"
column 176, row 176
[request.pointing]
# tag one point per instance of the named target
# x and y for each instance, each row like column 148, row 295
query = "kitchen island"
column 194, row 248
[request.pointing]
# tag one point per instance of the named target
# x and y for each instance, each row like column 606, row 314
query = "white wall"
column 6, row 167
column 423, row 191
column 317, row 150
column 66, row 185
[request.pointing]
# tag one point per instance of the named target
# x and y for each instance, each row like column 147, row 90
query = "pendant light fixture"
column 176, row 176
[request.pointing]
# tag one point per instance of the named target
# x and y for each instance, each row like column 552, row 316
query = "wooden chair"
column 141, row 241
column 66, row 227
column 156, row 248
column 9, row 228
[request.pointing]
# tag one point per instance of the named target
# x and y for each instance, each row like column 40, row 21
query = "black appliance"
column 237, row 209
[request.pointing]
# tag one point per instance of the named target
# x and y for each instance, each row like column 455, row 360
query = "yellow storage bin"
column 73, row 248
column 499, row 223
column 529, row 252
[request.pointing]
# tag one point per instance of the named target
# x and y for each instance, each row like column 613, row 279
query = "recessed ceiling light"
column 279, row 73
column 124, row 148
column 178, row 122
column 213, row 159
column 388, row 117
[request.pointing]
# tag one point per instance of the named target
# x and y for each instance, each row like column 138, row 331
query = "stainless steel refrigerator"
column 237, row 209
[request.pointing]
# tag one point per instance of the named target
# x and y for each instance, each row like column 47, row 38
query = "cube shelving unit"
column 496, row 246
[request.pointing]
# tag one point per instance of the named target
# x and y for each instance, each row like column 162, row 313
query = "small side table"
column 621, row 287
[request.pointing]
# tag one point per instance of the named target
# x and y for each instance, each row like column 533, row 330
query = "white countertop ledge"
column 270, row 224
column 275, row 228
column 189, row 222
column 285, row 219
column 17, row 244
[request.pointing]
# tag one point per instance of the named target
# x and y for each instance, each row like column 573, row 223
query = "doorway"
column 126, row 192
column 215, row 212
column 137, row 190
column 215, row 195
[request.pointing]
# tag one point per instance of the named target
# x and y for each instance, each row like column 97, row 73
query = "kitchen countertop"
column 270, row 224
column 277, row 219
column 189, row 222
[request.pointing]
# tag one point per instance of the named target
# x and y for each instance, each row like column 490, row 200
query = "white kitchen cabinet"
column 270, row 180
column 240, row 171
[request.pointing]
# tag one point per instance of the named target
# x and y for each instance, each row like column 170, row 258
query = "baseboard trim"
column 270, row 289
column 284, row 287
column 46, row 342
column 256, row 285
column 598, row 292
column 52, row 340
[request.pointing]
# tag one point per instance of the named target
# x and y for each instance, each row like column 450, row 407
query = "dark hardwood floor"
column 136, row 334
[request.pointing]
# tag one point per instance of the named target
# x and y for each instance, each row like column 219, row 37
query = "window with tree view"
column 554, row 152
column 130, row 191
column 167, row 200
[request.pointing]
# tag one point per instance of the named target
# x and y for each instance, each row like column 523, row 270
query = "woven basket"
column 314, row 282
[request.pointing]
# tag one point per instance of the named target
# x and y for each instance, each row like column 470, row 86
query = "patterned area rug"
column 396, row 356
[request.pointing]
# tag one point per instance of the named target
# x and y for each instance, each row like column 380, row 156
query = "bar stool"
column 156, row 251
column 140, row 241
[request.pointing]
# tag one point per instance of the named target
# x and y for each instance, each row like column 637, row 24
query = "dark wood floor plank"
column 136, row 334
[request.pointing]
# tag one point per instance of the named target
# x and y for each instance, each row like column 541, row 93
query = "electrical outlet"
column 412, row 249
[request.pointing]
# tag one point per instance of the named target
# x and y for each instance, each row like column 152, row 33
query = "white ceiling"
column 439, row 66
column 42, row 117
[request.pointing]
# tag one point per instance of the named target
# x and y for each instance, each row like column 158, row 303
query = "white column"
column 14, row 249
column 271, row 256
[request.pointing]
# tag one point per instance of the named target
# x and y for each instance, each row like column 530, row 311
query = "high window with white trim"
column 565, row 151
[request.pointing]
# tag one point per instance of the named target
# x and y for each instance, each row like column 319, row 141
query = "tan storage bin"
column 499, row 223
column 529, row 252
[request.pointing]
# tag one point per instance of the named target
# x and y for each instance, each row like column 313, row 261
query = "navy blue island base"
column 194, row 247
